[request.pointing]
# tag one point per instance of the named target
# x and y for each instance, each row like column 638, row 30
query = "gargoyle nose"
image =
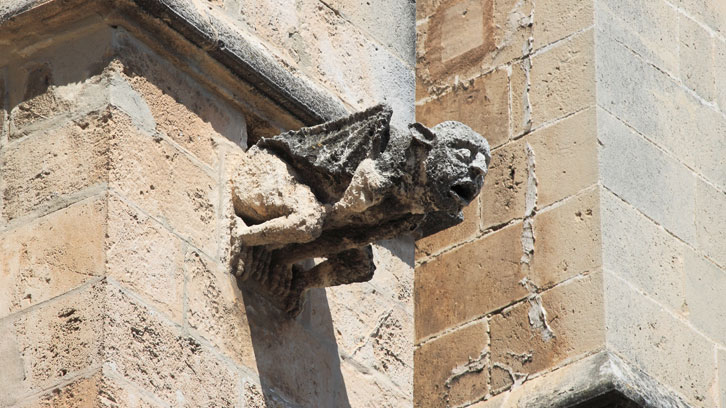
column 479, row 164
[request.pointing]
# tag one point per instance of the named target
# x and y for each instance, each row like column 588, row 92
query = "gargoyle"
column 331, row 190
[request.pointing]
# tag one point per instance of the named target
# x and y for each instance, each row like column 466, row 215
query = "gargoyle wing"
column 326, row 156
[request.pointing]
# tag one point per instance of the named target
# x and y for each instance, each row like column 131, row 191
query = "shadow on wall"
column 293, row 360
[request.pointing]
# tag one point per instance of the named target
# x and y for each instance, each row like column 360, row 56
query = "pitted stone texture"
column 457, row 234
column 52, row 255
column 453, row 369
column 713, row 14
column 706, row 306
column 505, row 185
column 557, row 19
column 469, row 281
column 696, row 58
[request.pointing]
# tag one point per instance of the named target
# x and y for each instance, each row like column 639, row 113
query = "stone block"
column 541, row 332
column 454, row 235
column 696, row 58
column 483, row 105
column 52, row 255
column 641, row 174
column 719, row 57
column 51, row 343
column 711, row 13
column 710, row 222
column 555, row 20
column 567, row 240
column 722, row 379
column 648, row 27
column 165, row 183
column 705, row 283
column 562, row 79
column 3, row 109
column 370, row 390
column 645, row 334
column 512, row 31
column 505, row 185
column 145, row 257
column 654, row 105
column 42, row 170
column 565, row 157
column 642, row 253
column 395, row 261
column 215, row 308
column 468, row 282
column 452, row 369
column 520, row 108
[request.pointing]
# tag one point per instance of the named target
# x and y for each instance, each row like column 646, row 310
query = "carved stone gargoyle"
column 331, row 190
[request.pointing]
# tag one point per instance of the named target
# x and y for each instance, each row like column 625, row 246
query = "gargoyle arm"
column 298, row 227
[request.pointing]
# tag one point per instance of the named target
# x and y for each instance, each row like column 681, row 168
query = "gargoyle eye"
column 463, row 154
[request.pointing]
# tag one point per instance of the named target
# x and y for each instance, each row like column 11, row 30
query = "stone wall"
column 114, row 215
column 597, row 229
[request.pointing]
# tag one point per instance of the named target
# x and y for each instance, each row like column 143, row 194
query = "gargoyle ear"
column 422, row 133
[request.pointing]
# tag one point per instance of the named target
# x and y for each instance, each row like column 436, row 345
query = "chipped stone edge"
column 243, row 56
column 597, row 375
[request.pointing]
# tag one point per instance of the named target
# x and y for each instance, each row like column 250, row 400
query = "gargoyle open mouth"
column 464, row 191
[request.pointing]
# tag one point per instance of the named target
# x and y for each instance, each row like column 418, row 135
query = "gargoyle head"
column 456, row 164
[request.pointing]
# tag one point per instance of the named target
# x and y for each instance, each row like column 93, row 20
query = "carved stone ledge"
column 331, row 190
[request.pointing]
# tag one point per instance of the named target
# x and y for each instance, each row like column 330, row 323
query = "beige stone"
column 483, row 104
column 710, row 223
column 41, row 170
column 505, row 185
column 145, row 257
column 165, row 183
column 453, row 369
column 555, row 20
column 468, row 282
column 454, row 235
column 370, row 390
column 52, row 255
column 566, row 157
column 704, row 287
column 567, row 240
column 512, row 31
column 538, row 333
column 562, row 79
column 711, row 13
column 696, row 58
column 521, row 111
column 719, row 49
column 722, row 379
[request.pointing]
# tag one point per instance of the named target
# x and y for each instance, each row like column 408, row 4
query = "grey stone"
column 330, row 190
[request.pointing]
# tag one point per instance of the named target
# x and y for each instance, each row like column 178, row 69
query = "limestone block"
column 722, row 379
column 452, row 369
column 215, row 308
column 567, row 240
column 655, row 106
column 555, row 20
column 648, row 27
column 395, row 261
column 483, row 105
column 469, row 281
column 565, row 157
column 520, row 108
column 3, row 108
column 371, row 390
column 540, row 332
column 145, row 257
column 165, row 183
column 562, row 79
column 52, row 255
column 642, row 253
column 51, row 343
column 696, row 58
column 39, row 171
column 392, row 23
column 454, row 235
column 704, row 287
column 711, row 13
column 158, row 357
column 505, row 185
column 719, row 49
column 641, row 174
column 710, row 222
column 512, row 31
column 642, row 332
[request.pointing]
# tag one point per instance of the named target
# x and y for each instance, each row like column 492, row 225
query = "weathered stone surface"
column 566, row 157
column 649, row 28
column 52, row 255
column 164, row 182
column 483, row 104
column 41, row 170
column 371, row 390
column 658, row 343
column 642, row 253
column 653, row 104
column 719, row 57
column 505, row 185
column 710, row 13
column 544, row 330
column 452, row 369
column 567, row 240
column 704, row 287
column 555, row 20
column 722, row 380
column 468, row 282
column 710, row 222
column 562, row 79
column 145, row 257
column 457, row 234
column 696, row 58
